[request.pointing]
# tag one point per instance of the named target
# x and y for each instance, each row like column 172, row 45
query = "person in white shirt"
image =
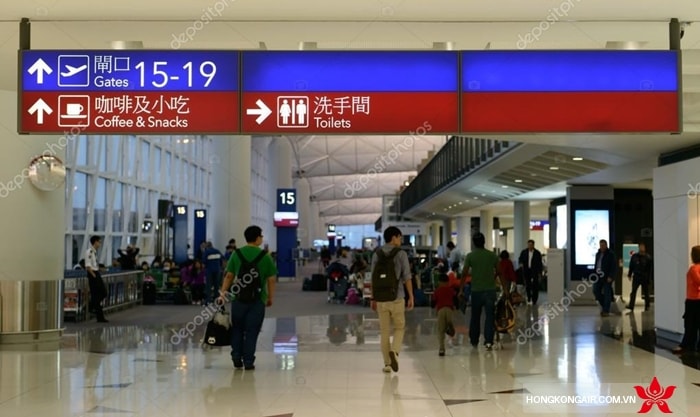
column 454, row 257
column 98, row 290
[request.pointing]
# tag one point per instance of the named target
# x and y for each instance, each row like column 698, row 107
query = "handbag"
column 516, row 298
column 218, row 332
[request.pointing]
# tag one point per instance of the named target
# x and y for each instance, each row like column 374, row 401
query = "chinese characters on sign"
column 327, row 112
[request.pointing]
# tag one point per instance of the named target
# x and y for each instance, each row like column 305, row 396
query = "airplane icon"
column 73, row 70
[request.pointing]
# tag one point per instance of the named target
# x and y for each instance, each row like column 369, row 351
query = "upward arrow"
column 39, row 107
column 40, row 67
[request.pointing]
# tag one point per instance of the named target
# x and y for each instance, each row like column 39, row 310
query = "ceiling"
column 330, row 163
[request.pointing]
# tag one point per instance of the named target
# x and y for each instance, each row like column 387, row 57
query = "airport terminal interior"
column 160, row 125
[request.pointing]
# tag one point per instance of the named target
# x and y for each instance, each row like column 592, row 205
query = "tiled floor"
column 330, row 365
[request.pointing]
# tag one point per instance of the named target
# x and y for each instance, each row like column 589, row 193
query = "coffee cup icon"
column 74, row 109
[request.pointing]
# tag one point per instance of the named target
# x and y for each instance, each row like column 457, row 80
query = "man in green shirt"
column 247, row 316
column 483, row 266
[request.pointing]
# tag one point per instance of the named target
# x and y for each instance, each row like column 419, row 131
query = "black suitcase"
column 180, row 297
column 149, row 293
column 319, row 282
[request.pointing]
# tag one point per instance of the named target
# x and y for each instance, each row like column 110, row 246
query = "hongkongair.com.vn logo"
column 654, row 394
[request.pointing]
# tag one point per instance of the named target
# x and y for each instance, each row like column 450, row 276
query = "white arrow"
column 262, row 112
column 39, row 107
column 40, row 67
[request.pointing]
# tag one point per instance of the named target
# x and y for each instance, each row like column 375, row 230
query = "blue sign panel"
column 287, row 199
column 350, row 71
column 559, row 71
column 180, row 234
column 200, row 231
column 128, row 70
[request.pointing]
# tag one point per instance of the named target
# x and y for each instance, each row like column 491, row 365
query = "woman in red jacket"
column 508, row 276
column 691, row 318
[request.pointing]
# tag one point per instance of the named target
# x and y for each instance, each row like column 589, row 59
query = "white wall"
column 32, row 221
column 676, row 230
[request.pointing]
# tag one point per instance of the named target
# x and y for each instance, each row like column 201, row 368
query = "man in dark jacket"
column 530, row 261
column 640, row 270
column 605, row 267
column 127, row 259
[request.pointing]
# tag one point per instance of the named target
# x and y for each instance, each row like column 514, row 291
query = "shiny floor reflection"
column 330, row 365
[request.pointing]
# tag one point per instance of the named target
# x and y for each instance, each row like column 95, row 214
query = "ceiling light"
column 518, row 181
column 504, row 186
column 483, row 195
column 444, row 46
column 554, row 168
column 627, row 45
column 577, row 158
column 460, row 203
column 305, row 46
column 406, row 183
column 126, row 44
column 476, row 198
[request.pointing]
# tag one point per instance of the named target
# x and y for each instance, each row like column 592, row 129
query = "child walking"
column 444, row 305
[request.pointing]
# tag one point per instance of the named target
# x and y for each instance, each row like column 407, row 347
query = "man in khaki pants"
column 390, row 272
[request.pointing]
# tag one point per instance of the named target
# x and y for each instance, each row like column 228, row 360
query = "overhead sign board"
column 125, row 91
column 349, row 92
column 570, row 91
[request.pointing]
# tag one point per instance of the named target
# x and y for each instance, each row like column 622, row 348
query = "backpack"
column 249, row 281
column 385, row 283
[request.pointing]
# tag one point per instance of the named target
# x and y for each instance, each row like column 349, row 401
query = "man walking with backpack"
column 391, row 271
column 251, row 275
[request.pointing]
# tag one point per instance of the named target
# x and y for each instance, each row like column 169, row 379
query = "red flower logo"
column 655, row 394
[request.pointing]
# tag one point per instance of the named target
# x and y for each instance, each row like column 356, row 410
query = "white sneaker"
column 386, row 369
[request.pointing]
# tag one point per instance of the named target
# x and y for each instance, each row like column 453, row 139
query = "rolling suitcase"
column 318, row 282
column 149, row 293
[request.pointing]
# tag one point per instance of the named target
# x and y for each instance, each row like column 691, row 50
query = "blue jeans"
column 603, row 291
column 246, row 322
column 211, row 291
column 483, row 300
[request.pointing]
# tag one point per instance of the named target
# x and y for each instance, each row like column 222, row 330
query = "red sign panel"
column 349, row 113
column 147, row 112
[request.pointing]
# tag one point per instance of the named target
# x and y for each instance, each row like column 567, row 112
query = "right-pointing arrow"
column 262, row 111
column 40, row 107
column 40, row 67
